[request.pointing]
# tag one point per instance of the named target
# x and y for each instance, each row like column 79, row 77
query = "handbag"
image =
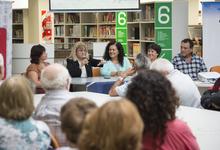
column 211, row 98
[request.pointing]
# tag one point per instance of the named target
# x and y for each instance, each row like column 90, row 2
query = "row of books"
column 58, row 18
column 73, row 31
column 72, row 18
column 17, row 33
column 59, row 31
column 109, row 17
column 107, row 31
column 149, row 12
column 149, row 34
column 17, row 16
column 90, row 31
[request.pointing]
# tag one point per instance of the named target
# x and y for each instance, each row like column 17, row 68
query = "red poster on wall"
column 46, row 26
column 3, row 47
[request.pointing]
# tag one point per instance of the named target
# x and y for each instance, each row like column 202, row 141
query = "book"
column 136, row 49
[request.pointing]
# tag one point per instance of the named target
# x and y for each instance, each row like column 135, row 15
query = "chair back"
column 215, row 69
column 54, row 143
column 96, row 71
column 99, row 87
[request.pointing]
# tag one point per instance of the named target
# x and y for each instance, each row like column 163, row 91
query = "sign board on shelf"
column 121, row 30
column 163, row 28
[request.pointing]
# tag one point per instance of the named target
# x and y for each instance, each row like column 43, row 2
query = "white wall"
column 180, row 24
column 20, row 4
column 211, row 30
column 194, row 18
column 21, row 56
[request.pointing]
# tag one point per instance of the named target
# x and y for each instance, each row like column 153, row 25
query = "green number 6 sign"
column 121, row 19
column 163, row 15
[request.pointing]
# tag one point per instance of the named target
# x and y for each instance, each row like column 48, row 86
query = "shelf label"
column 121, row 30
column 163, row 28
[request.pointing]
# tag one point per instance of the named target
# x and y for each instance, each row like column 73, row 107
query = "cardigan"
column 75, row 70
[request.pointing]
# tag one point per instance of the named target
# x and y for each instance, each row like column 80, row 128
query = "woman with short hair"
column 153, row 51
column 114, row 126
column 72, row 117
column 18, row 130
column 38, row 57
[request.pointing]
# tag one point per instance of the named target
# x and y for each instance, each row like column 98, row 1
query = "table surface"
column 203, row 84
column 83, row 81
column 205, row 124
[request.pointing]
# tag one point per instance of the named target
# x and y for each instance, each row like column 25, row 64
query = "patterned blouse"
column 23, row 135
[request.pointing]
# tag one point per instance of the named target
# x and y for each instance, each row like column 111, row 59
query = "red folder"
column 3, row 47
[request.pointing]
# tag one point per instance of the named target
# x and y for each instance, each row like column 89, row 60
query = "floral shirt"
column 23, row 135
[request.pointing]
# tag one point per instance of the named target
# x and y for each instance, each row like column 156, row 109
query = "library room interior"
column 67, row 67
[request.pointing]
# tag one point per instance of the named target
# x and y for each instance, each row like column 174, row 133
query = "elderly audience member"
column 184, row 86
column 156, row 101
column 114, row 126
column 55, row 79
column 119, row 88
column 17, row 128
column 153, row 51
column 117, row 63
column 38, row 57
column 187, row 62
column 72, row 116
column 79, row 64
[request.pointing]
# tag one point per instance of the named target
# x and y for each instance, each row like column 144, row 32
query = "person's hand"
column 130, row 71
column 101, row 62
column 114, row 74
column 84, row 61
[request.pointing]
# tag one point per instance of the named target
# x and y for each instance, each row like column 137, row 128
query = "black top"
column 75, row 71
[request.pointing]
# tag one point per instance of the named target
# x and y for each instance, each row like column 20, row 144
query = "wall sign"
column 163, row 28
column 121, row 30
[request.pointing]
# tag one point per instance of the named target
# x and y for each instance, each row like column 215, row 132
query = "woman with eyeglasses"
column 79, row 64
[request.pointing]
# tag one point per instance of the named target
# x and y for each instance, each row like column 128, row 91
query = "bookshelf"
column 87, row 27
column 195, row 34
column 100, row 26
column 17, row 26
column 141, row 29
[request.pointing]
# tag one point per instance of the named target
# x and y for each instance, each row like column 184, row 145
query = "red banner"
column 3, row 47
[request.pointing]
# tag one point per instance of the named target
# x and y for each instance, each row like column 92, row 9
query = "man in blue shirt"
column 187, row 62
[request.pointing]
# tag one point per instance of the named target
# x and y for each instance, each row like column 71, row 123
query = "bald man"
column 55, row 79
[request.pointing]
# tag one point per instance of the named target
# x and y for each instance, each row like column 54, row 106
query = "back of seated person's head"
column 16, row 99
column 114, row 126
column 156, row 101
column 55, row 77
column 72, row 116
column 142, row 62
column 162, row 65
